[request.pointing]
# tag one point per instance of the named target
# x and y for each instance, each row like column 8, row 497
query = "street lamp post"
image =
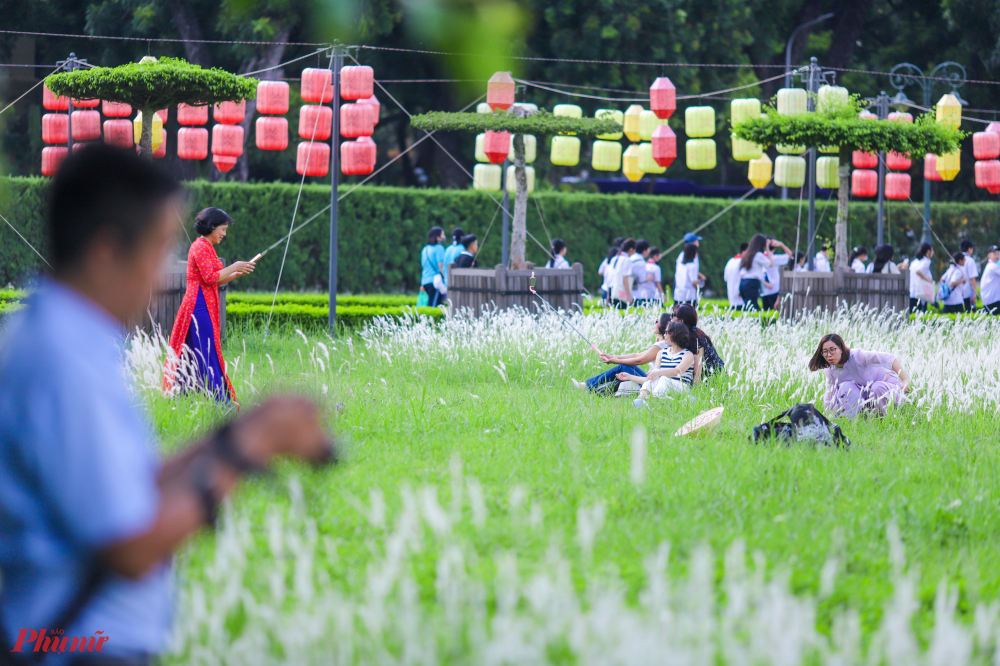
column 813, row 76
column 906, row 74
column 881, row 104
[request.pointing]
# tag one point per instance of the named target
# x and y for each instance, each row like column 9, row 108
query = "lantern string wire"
column 920, row 213
column 712, row 219
column 32, row 88
column 26, row 241
column 542, row 218
column 975, row 120
column 287, row 62
column 487, row 234
column 159, row 39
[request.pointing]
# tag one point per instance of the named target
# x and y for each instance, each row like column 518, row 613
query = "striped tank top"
column 670, row 360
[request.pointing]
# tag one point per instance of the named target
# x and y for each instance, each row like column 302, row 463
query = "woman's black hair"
column 613, row 252
column 883, row 255
column 859, row 251
column 818, row 361
column 662, row 323
column 433, row 235
column 958, row 258
column 966, row 245
column 757, row 244
column 457, row 234
column 558, row 245
column 617, row 242
column 689, row 316
column 641, row 245
column 799, row 256
column 690, row 252
column 653, row 251
column 209, row 219
column 679, row 334
column 466, row 241
column 923, row 250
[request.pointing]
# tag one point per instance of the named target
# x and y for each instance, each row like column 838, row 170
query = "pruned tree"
column 150, row 85
column 840, row 125
column 518, row 122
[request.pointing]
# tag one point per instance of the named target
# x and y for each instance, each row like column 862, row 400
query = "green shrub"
column 321, row 299
column 305, row 316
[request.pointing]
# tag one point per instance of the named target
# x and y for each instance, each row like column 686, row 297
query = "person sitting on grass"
column 676, row 365
column 707, row 360
column 858, row 381
column 607, row 382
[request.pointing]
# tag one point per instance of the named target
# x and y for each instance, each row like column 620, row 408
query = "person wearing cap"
column 693, row 238
column 989, row 288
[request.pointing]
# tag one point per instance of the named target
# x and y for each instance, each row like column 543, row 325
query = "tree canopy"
column 539, row 123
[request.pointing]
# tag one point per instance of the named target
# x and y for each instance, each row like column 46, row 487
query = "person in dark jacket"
column 467, row 259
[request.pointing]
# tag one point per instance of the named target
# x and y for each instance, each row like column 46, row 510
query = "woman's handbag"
column 925, row 290
column 804, row 423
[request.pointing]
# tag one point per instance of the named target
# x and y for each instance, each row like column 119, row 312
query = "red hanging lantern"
column 192, row 143
column 930, row 168
column 312, row 158
column 272, row 97
column 992, row 127
column 223, row 163
column 354, row 159
column 864, row 183
column 80, row 145
column 662, row 98
column 356, row 120
column 55, row 128
column 192, row 115
column 367, row 142
column 86, row 103
column 163, row 114
column 374, row 104
column 116, row 110
column 988, row 174
column 894, row 160
column 87, row 125
column 118, row 132
column 496, row 146
column 230, row 113
column 227, row 140
column 52, row 157
column 272, row 133
column 51, row 102
column 863, row 160
column 986, row 145
column 897, row 186
column 317, row 85
column 500, row 92
column 357, row 82
column 901, row 117
column 315, row 122
column 664, row 146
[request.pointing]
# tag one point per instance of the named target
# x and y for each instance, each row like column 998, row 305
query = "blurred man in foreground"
column 89, row 518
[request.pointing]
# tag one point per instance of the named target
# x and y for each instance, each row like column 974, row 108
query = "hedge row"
column 382, row 229
column 321, row 299
column 297, row 315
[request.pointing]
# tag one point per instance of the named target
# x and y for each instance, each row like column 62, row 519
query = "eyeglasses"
column 829, row 352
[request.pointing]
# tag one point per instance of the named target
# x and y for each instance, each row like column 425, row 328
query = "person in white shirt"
column 883, row 263
column 650, row 291
column 731, row 274
column 688, row 280
column 856, row 260
column 772, row 274
column 621, row 287
column 971, row 272
column 955, row 277
column 558, row 259
column 752, row 277
column 822, row 261
column 921, row 279
column 639, row 266
column 613, row 252
column 800, row 262
column 690, row 237
column 989, row 289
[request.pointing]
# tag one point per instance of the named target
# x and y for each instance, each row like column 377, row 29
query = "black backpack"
column 804, row 423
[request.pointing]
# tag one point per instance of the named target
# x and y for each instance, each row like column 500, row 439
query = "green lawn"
column 488, row 512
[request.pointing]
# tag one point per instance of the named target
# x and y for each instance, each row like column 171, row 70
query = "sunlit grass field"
column 486, row 512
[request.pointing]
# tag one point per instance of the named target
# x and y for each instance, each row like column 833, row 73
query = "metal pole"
column 505, row 225
column 70, row 66
column 928, row 85
column 338, row 62
column 882, row 107
column 811, row 106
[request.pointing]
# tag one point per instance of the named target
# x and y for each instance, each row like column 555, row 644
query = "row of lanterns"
column 986, row 150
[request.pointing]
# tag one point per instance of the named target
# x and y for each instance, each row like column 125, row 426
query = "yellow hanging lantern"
column 630, row 163
column 607, row 156
column 530, row 148
column 949, row 165
column 828, row 172
column 789, row 171
column 791, row 102
column 483, row 107
column 632, row 117
column 157, row 130
column 610, row 114
column 480, row 147
column 830, row 97
column 699, row 121
column 567, row 111
column 791, row 150
column 486, row 177
column 565, row 151
column 949, row 113
column 744, row 109
column 744, row 151
column 759, row 171
column 829, row 149
column 646, row 162
column 700, row 154
column 648, row 122
column 529, row 175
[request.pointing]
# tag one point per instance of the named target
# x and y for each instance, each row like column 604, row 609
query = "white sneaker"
column 576, row 384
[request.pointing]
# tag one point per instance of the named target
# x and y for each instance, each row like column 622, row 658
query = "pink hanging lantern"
column 52, row 102
column 86, row 103
column 356, row 120
column 230, row 113
column 354, row 159
column 223, row 163
column 894, row 160
column 315, row 122
column 664, row 146
column 496, row 146
column 271, row 133
column 272, row 97
column 986, row 145
column 993, row 127
column 163, row 114
column 119, row 132
column 80, row 145
column 662, row 98
column 500, row 92
column 87, row 125
column 192, row 115
column 897, row 186
column 55, row 128
column 227, row 140
column 901, row 117
column 312, row 159
column 357, row 82
column 988, row 175
column 116, row 109
column 52, row 157
column 864, row 183
column 930, row 168
column 867, row 115
column 374, row 104
column 192, row 143
column 317, row 85
column 369, row 144
column 863, row 160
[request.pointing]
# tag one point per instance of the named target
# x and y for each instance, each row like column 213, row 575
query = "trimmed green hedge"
column 321, row 299
column 382, row 229
column 298, row 315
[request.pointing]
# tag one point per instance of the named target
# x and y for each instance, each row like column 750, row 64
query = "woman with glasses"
column 857, row 380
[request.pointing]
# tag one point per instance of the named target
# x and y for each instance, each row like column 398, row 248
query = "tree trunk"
column 146, row 136
column 186, row 21
column 519, row 237
column 843, row 196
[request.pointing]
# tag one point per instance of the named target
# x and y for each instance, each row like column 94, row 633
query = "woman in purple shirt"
column 858, row 380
